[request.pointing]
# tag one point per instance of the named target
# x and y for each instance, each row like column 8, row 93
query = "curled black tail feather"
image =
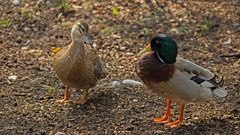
column 220, row 83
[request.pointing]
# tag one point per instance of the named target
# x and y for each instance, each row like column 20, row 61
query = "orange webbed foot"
column 164, row 119
column 66, row 96
column 174, row 124
column 178, row 122
column 63, row 101
column 167, row 115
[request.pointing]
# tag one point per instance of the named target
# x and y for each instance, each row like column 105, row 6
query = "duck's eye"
column 81, row 28
column 157, row 42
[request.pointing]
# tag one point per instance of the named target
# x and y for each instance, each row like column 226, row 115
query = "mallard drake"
column 175, row 78
column 78, row 65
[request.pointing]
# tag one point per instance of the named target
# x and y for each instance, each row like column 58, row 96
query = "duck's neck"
column 159, row 57
column 166, row 60
column 77, row 49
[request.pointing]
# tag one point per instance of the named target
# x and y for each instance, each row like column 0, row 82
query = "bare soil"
column 207, row 32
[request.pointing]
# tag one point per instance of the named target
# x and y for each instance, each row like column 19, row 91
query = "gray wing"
column 190, row 67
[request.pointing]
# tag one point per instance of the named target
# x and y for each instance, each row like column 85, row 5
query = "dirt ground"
column 207, row 32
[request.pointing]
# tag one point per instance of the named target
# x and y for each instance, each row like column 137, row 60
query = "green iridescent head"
column 165, row 48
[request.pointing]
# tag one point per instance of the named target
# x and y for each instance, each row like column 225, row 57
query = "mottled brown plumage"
column 78, row 64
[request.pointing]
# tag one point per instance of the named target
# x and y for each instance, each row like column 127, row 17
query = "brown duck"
column 78, row 64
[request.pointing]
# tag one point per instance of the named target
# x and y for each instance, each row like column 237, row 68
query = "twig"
column 237, row 55
column 20, row 94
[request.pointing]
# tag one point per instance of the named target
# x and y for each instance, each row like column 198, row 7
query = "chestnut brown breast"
column 150, row 69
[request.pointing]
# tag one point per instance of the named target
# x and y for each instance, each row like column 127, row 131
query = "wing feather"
column 190, row 67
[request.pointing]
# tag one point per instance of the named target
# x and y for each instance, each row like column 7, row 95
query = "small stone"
column 116, row 36
column 26, row 28
column 129, row 54
column 195, row 118
column 122, row 48
column 130, row 82
column 15, row 2
column 115, row 84
column 24, row 48
column 228, row 41
column 12, row 77
column 94, row 45
column 135, row 100
column 59, row 133
column 38, row 13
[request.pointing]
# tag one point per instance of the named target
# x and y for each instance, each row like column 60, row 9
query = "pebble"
column 24, row 48
column 135, row 100
column 122, row 48
column 228, row 41
column 26, row 28
column 94, row 45
column 115, row 84
column 12, row 77
column 15, row 2
column 59, row 133
column 130, row 82
column 195, row 118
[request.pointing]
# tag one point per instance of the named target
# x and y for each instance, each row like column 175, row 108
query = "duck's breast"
column 150, row 69
column 154, row 73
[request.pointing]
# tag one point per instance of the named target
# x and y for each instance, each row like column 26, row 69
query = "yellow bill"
column 146, row 49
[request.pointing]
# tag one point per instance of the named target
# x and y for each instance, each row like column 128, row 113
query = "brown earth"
column 30, row 30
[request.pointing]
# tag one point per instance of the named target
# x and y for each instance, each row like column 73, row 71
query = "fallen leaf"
column 49, row 89
column 115, row 11
column 55, row 50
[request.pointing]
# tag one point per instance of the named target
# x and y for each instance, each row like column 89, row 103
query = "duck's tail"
column 212, row 84
column 218, row 90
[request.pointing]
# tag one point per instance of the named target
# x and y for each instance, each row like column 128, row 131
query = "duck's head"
column 165, row 48
column 80, row 31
